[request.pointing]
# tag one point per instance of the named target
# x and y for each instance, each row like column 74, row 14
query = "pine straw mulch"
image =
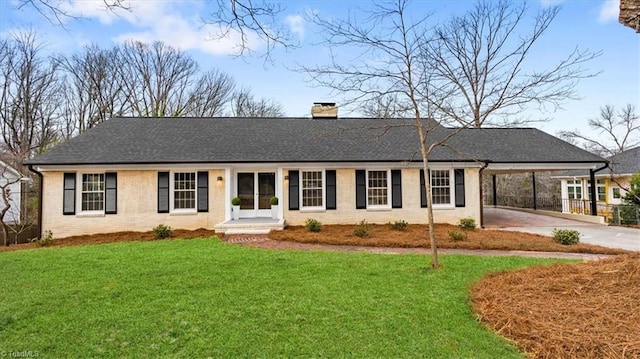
column 416, row 236
column 585, row 310
column 114, row 237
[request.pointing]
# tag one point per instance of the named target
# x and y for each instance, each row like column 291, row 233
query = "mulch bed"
column 585, row 310
column 416, row 236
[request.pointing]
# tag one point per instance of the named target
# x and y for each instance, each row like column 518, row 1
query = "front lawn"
column 199, row 298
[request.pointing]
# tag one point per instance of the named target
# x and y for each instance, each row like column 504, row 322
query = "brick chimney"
column 324, row 110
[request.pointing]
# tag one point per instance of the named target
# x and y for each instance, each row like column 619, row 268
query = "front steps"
column 250, row 226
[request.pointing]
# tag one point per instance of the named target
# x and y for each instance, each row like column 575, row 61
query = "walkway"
column 602, row 235
column 263, row 241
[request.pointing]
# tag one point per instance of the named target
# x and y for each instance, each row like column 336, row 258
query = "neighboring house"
column 135, row 173
column 610, row 184
column 10, row 175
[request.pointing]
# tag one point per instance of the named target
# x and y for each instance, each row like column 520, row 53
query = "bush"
column 362, row 229
column 235, row 201
column 566, row 236
column 273, row 200
column 313, row 225
column 457, row 236
column 161, row 231
column 467, row 223
column 400, row 225
column 46, row 240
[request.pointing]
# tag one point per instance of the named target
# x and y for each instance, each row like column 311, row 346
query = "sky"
column 586, row 24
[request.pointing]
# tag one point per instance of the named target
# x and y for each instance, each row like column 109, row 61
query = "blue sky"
column 589, row 25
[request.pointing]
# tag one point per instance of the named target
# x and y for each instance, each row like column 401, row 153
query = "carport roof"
column 622, row 164
column 278, row 140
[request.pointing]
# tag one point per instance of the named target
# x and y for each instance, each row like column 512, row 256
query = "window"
column 441, row 186
column 312, row 189
column 184, row 190
column 616, row 192
column 574, row 189
column 92, row 197
column 600, row 187
column 377, row 188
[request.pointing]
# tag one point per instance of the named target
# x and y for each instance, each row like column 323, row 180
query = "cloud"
column 609, row 11
column 548, row 3
column 176, row 23
column 296, row 25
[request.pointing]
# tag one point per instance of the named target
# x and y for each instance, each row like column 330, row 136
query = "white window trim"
column 79, row 211
column 389, row 189
column 576, row 186
column 324, row 191
column 452, row 189
column 172, row 208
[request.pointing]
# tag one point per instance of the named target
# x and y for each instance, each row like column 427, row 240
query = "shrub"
column 313, row 225
column 235, row 201
column 566, row 236
column 161, row 231
column 467, row 223
column 362, row 229
column 273, row 200
column 46, row 240
column 457, row 236
column 400, row 225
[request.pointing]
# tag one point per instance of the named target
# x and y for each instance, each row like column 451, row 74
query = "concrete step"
column 250, row 226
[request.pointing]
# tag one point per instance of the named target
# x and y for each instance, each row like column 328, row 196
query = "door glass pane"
column 266, row 189
column 245, row 190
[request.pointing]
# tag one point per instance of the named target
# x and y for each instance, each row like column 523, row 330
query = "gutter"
column 593, row 189
column 485, row 165
column 40, row 191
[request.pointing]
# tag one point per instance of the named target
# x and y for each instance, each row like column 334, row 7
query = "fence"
column 541, row 203
column 626, row 215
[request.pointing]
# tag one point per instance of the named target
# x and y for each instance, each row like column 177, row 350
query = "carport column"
column 495, row 190
column 592, row 191
column 535, row 195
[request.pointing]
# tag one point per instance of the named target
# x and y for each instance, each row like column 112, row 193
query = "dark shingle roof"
column 623, row 163
column 227, row 140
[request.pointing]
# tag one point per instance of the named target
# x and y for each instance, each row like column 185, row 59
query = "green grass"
column 199, row 298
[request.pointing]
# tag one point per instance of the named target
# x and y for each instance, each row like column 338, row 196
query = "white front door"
column 255, row 190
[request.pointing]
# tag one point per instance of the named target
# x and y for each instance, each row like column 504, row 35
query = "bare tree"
column 251, row 18
column 158, row 78
column 617, row 131
column 29, row 96
column 386, row 107
column 486, row 54
column 212, row 91
column 391, row 39
column 58, row 11
column 244, row 104
column 248, row 18
column 94, row 91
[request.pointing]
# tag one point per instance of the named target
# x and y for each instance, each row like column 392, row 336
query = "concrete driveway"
column 602, row 235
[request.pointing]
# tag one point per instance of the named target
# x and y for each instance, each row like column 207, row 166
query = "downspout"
column 486, row 163
column 39, row 199
column 593, row 189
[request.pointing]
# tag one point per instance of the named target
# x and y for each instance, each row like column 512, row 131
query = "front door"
column 255, row 189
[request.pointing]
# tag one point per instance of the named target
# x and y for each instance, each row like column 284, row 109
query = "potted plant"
column 235, row 205
column 274, row 207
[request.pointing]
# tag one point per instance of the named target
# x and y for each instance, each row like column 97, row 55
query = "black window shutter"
column 294, row 190
column 396, row 189
column 459, row 183
column 163, row 192
column 69, row 194
column 361, row 189
column 110, row 193
column 423, row 191
column 203, row 192
column 331, row 189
